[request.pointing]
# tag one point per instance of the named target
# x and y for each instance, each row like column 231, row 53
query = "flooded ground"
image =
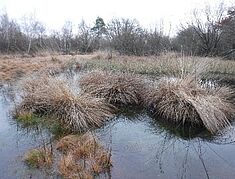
column 141, row 148
column 15, row 141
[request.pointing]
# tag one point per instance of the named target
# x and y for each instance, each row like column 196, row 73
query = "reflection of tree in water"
column 7, row 93
column 173, row 148
column 189, row 141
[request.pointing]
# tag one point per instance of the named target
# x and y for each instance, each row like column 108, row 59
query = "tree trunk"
column 29, row 46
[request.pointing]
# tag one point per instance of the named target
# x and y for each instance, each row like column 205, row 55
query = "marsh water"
column 141, row 148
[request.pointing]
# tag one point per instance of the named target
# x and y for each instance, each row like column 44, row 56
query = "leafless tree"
column 205, row 25
column 31, row 27
column 124, row 35
column 5, row 28
column 227, row 25
column 85, row 38
column 67, row 35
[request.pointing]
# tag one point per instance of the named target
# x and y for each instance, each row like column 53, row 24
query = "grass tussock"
column 27, row 119
column 54, row 98
column 116, row 88
column 187, row 101
column 83, row 157
column 39, row 158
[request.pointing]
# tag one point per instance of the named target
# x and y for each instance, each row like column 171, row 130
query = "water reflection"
column 144, row 148
column 193, row 144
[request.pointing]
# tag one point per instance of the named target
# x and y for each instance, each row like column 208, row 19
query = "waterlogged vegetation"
column 83, row 157
column 41, row 157
column 125, row 117
column 119, row 89
column 187, row 101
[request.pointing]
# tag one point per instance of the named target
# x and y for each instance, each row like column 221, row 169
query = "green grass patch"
column 37, row 158
column 28, row 119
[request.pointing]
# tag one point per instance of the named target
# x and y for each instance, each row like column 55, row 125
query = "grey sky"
column 53, row 13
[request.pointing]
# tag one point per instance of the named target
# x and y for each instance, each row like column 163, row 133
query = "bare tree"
column 31, row 27
column 40, row 33
column 227, row 25
column 10, row 34
column 85, row 39
column 129, row 38
column 187, row 42
column 5, row 28
column 124, row 35
column 67, row 35
column 205, row 25
column 156, row 42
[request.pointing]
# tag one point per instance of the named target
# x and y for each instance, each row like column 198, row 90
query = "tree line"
column 208, row 33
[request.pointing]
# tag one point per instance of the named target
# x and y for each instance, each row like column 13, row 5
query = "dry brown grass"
column 41, row 157
column 69, row 168
column 15, row 67
column 53, row 97
column 116, row 88
column 12, row 67
column 83, row 157
column 165, row 64
column 103, row 55
column 186, row 100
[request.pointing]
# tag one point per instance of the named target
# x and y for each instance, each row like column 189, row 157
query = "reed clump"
column 121, row 89
column 186, row 100
column 54, row 98
column 83, row 157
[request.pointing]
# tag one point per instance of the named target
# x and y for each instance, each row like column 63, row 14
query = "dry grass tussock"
column 116, row 88
column 54, row 98
column 41, row 157
column 186, row 100
column 82, row 157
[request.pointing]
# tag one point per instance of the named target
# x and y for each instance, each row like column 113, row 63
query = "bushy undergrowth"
column 116, row 88
column 186, row 100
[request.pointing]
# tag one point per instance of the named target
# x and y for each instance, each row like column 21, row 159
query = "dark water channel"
column 140, row 147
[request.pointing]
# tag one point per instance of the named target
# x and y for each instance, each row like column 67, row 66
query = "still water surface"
column 141, row 148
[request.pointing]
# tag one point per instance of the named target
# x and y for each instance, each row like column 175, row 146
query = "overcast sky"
column 53, row 13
